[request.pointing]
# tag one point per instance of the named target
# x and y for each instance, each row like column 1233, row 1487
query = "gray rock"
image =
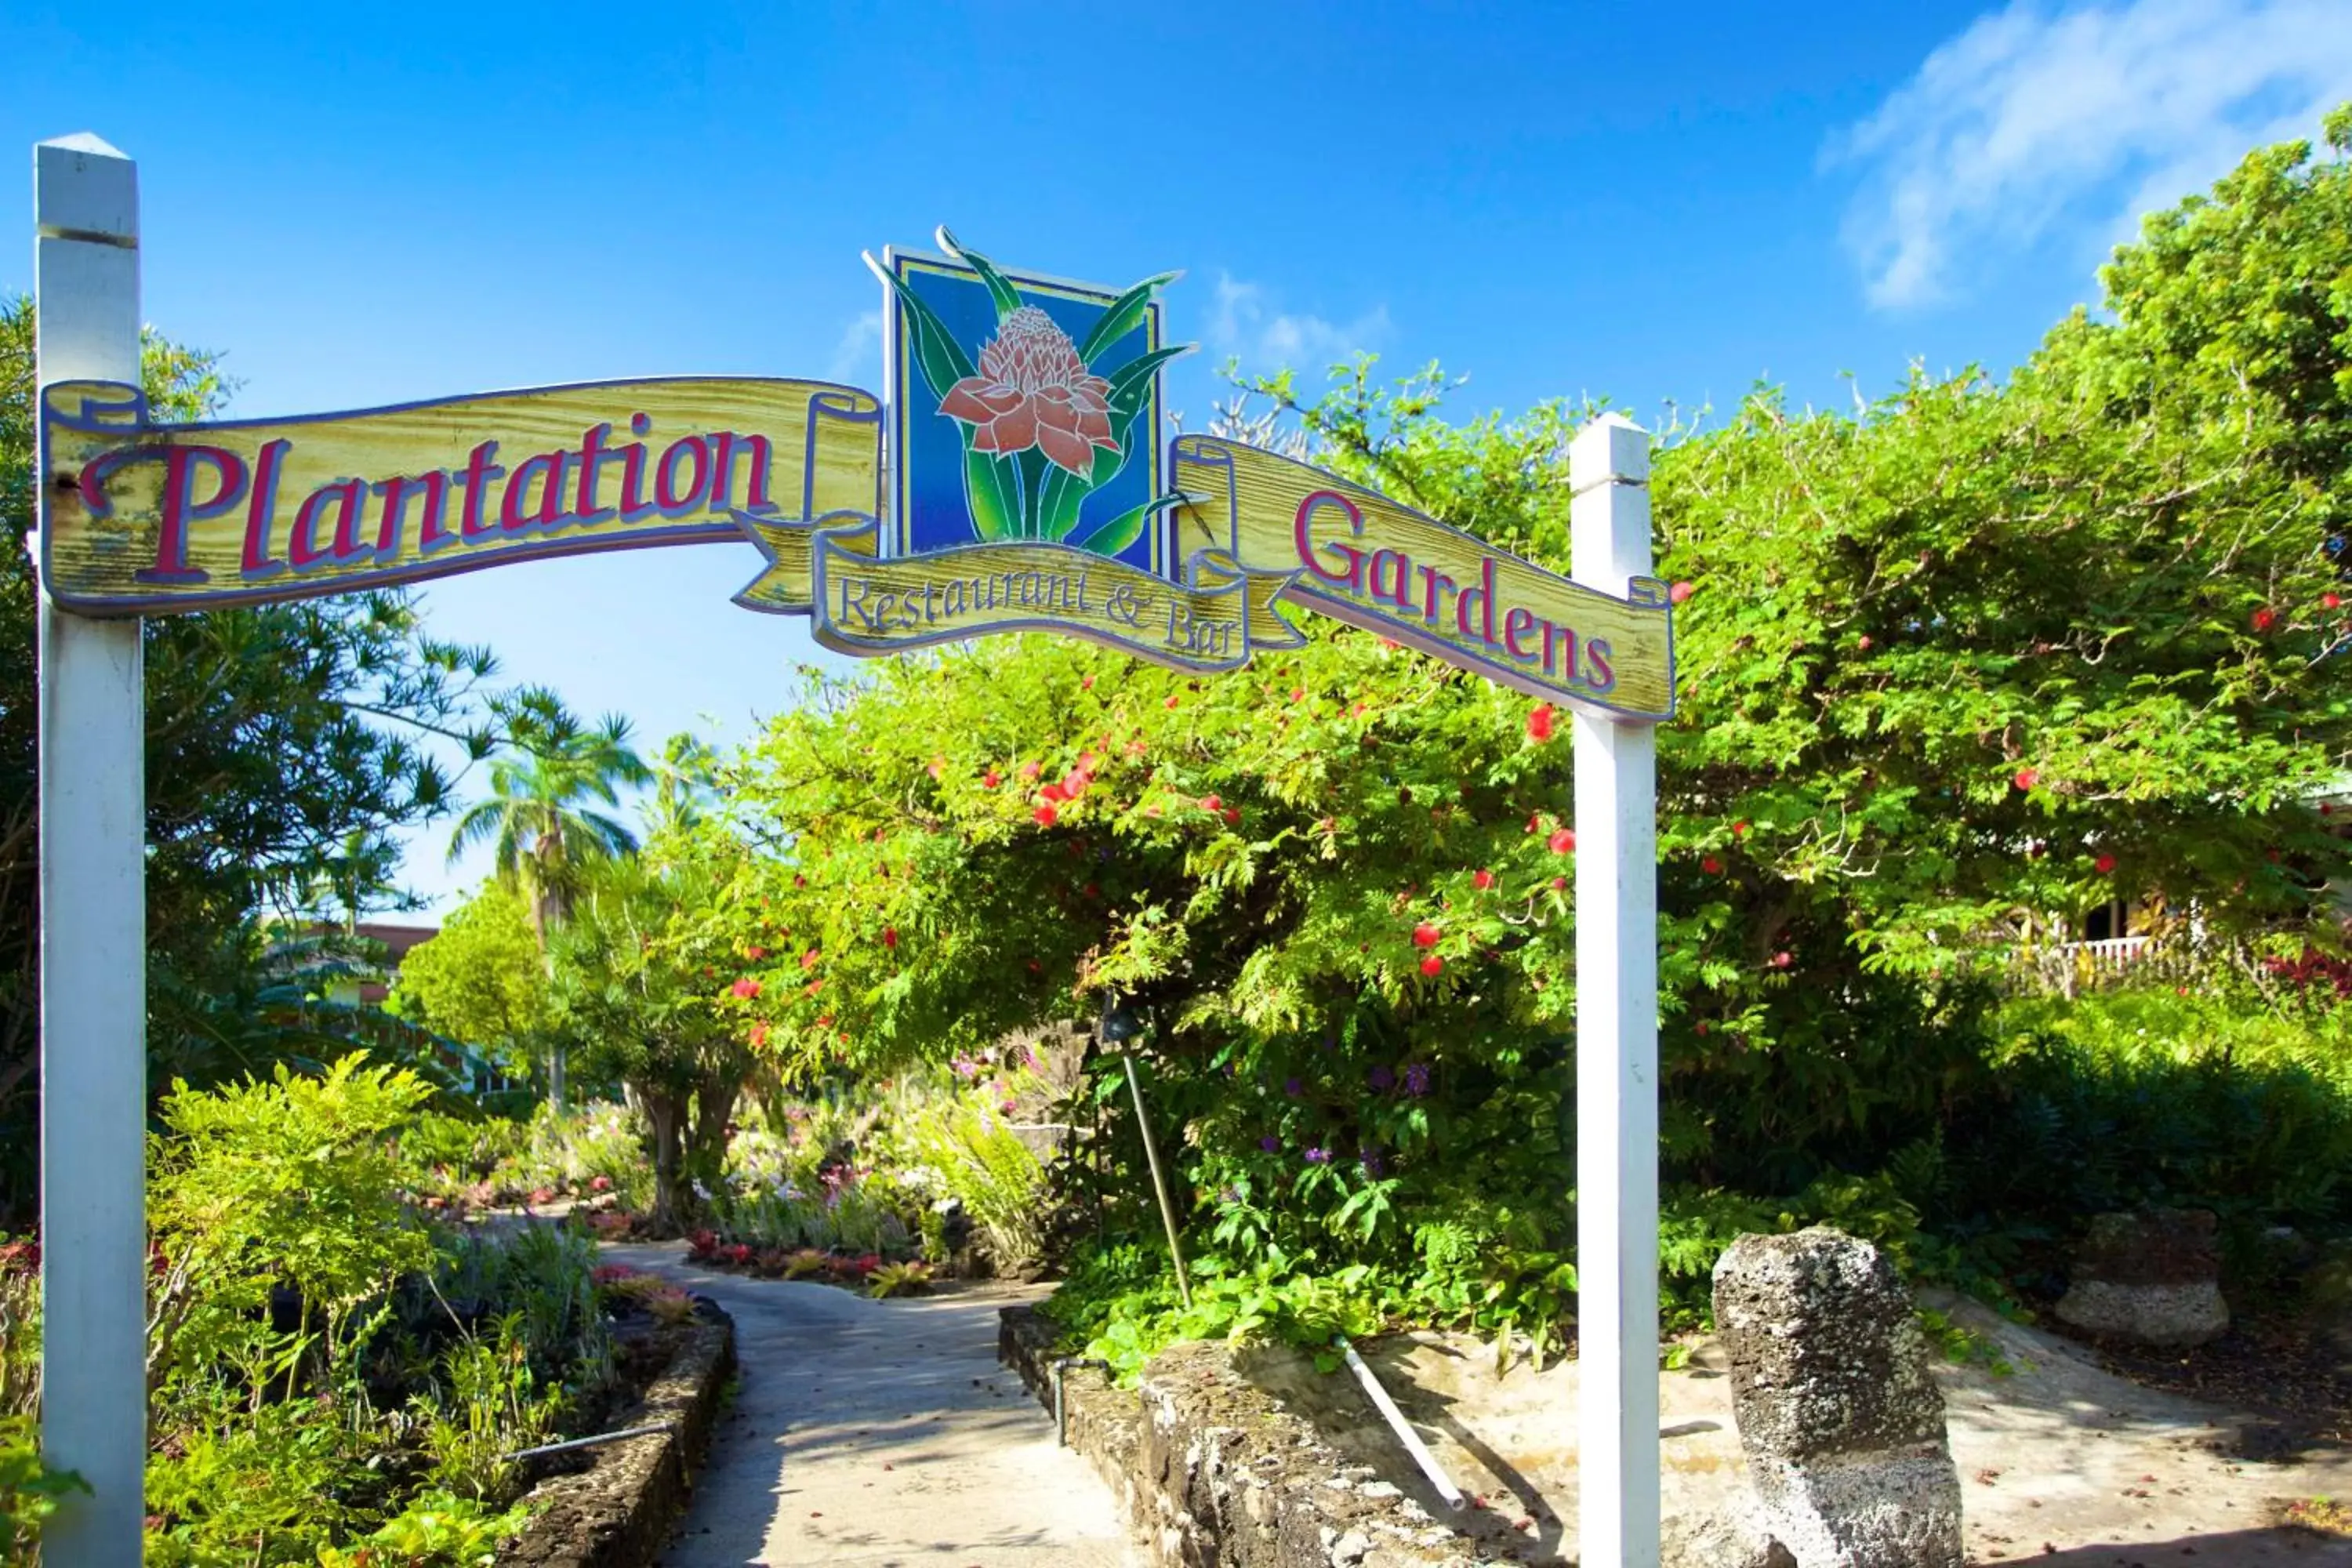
column 2152, row 1275
column 1842, row 1427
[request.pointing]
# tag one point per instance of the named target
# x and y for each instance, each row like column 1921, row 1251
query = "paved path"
column 879, row 1433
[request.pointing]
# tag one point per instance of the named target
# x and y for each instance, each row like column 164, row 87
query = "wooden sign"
column 1027, row 491
column 1357, row 557
column 146, row 519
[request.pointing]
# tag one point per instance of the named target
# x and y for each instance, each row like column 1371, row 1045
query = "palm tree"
column 540, row 814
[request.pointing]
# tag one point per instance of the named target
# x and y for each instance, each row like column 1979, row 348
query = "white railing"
column 2067, row 967
column 2111, row 956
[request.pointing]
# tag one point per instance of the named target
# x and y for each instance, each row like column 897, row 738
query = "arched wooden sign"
column 1026, row 490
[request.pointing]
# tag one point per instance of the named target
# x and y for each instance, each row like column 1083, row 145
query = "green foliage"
column 30, row 1491
column 486, row 1406
column 286, row 1183
column 439, row 1530
column 320, row 1353
column 985, row 1166
column 481, row 979
column 20, row 1328
column 899, row 1279
column 638, row 996
column 1958, row 1343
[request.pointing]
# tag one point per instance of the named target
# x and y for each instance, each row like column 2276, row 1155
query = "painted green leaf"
column 989, row 490
column 1111, row 538
column 1134, row 378
column 1032, row 465
column 1124, row 313
column 1000, row 289
column 1057, row 511
column 937, row 353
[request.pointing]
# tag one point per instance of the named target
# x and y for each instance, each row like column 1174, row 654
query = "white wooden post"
column 93, row 806
column 1616, row 1041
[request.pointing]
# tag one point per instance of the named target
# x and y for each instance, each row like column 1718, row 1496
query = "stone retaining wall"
column 617, row 1511
column 1213, row 1472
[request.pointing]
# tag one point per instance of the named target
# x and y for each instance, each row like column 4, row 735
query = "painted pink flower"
column 1033, row 390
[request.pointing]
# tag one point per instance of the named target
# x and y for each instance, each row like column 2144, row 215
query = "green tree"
column 482, row 978
column 642, row 992
column 540, row 816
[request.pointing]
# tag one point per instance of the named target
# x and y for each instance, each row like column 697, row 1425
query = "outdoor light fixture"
column 1119, row 1024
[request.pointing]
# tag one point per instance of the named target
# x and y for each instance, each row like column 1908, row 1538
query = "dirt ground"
column 2061, row 1462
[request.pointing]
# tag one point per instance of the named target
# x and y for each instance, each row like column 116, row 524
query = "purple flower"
column 1416, row 1078
column 1318, row 1155
column 1373, row 1161
column 1292, row 1088
column 1269, row 1144
column 1383, row 1080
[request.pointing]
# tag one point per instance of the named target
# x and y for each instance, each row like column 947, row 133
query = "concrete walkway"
column 879, row 1433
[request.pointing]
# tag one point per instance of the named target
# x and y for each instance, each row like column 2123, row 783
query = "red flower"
column 1075, row 784
column 1053, row 792
column 1482, row 879
column 2329, row 601
column 746, row 988
column 755, row 952
column 1210, row 803
column 1711, row 866
column 1562, row 841
column 1433, row 965
column 760, row 1035
column 1740, row 830
column 2103, row 864
column 2027, row 778
column 1425, row 935
column 1170, row 703
column 1678, row 592
column 1298, row 694
column 1028, row 772
column 889, row 936
column 1233, row 816
column 808, row 959
column 1540, row 722
column 1033, row 390
column 2264, row 618
column 989, row 779
column 1046, row 814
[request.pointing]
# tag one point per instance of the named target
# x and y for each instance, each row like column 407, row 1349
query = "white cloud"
column 858, row 358
column 1246, row 327
column 2034, row 121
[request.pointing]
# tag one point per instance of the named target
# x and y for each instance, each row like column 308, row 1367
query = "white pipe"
column 1397, row 1424
column 600, row 1438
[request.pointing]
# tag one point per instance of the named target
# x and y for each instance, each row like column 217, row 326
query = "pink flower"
column 746, row 988
column 1033, row 390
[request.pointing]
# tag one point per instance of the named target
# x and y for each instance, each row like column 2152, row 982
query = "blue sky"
column 394, row 203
